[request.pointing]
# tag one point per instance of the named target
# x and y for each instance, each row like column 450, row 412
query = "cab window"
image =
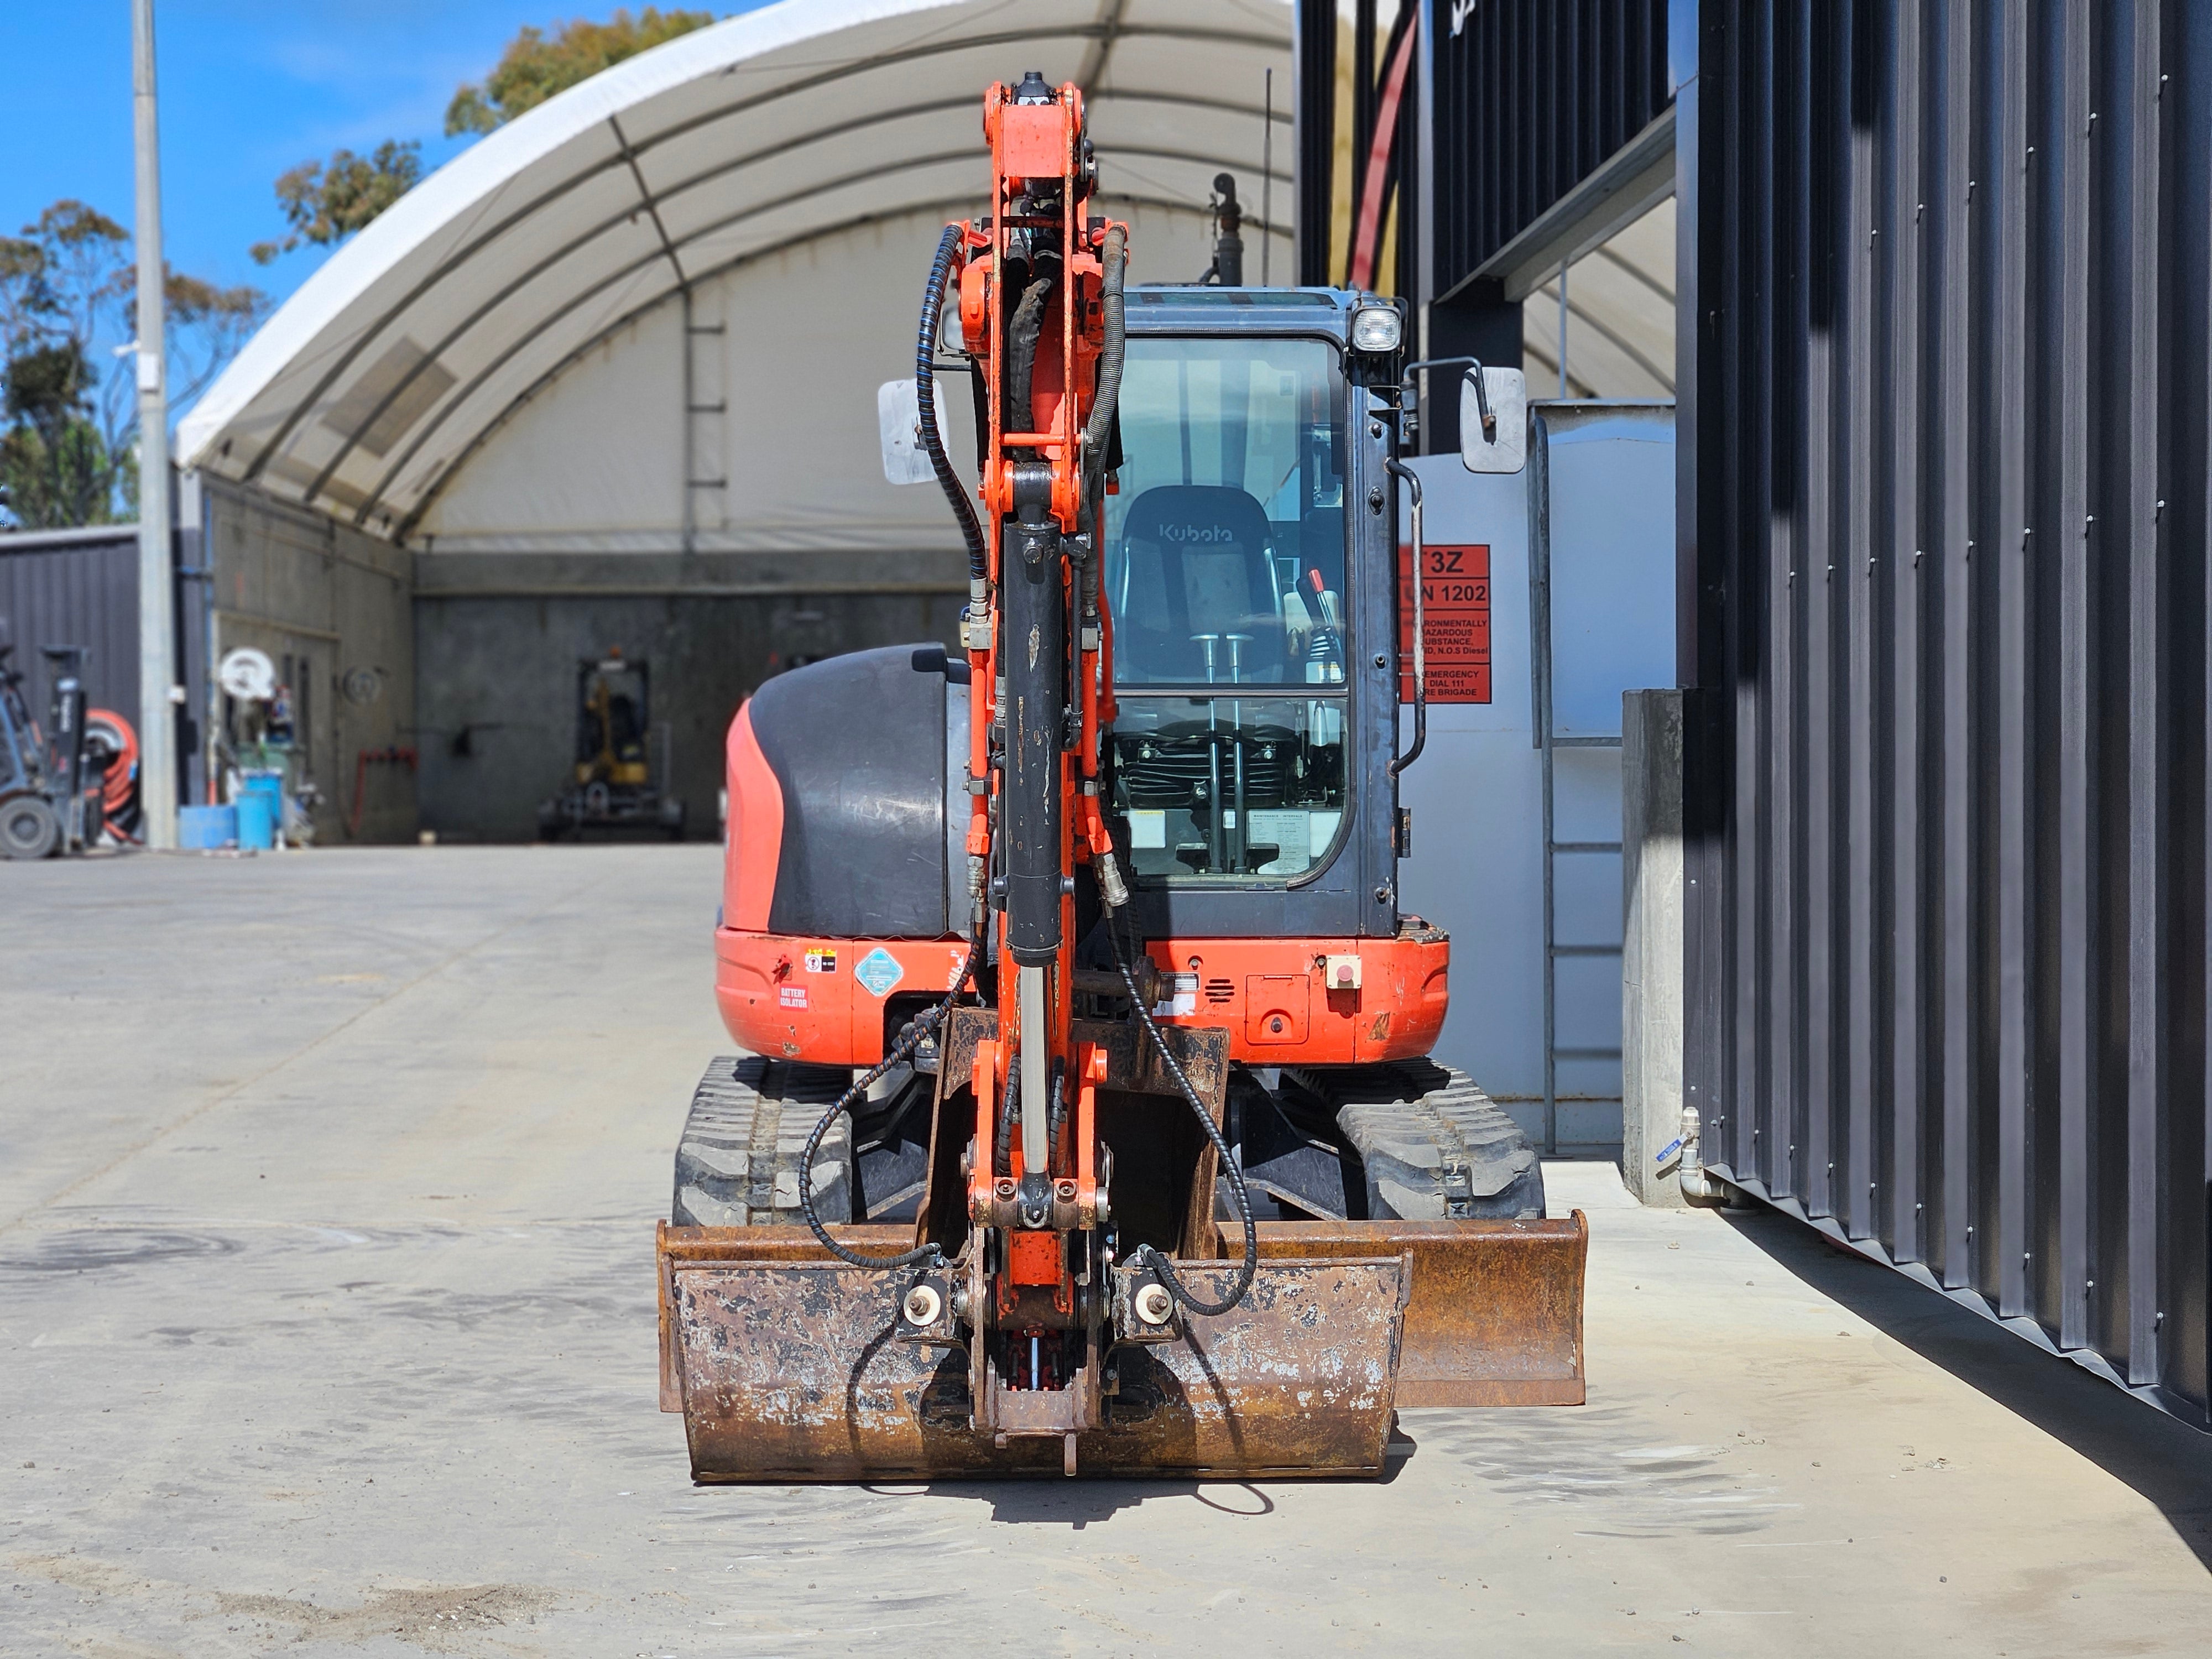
column 1224, row 567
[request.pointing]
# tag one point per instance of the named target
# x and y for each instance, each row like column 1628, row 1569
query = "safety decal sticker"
column 791, row 996
column 878, row 970
column 1455, row 622
column 821, row 961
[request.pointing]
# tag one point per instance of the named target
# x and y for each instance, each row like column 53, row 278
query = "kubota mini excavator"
column 1088, row 1124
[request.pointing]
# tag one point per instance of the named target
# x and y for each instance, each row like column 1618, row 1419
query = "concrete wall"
column 331, row 608
column 1651, row 952
column 498, row 637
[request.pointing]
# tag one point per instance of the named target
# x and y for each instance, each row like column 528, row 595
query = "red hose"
column 119, row 782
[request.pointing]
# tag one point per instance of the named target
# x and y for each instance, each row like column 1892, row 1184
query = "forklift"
column 613, row 784
column 53, row 797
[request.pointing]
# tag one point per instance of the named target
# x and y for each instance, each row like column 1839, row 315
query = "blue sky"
column 249, row 87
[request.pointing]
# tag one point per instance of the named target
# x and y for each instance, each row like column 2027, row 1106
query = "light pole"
column 157, row 708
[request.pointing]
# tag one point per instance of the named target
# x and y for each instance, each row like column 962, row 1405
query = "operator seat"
column 624, row 729
column 1196, row 563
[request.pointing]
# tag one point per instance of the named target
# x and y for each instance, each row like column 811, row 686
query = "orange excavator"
column 1088, row 1123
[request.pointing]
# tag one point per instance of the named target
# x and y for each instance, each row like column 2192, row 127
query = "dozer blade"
column 1496, row 1314
column 788, row 1366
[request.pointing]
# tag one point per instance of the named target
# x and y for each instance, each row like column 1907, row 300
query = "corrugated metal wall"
column 80, row 587
column 74, row 587
column 1945, row 339
column 1531, row 97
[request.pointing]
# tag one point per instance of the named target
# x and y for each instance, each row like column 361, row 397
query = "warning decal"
column 1455, row 607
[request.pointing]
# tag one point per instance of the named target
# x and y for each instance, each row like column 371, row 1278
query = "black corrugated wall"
column 1531, row 98
column 1945, row 335
column 74, row 588
column 80, row 587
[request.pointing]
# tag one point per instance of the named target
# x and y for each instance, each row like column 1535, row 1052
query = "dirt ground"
column 327, row 1185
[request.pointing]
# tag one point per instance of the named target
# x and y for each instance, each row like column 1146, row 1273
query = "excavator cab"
column 1088, row 1122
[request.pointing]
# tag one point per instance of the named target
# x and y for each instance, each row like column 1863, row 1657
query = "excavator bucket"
column 789, row 1366
column 1495, row 1317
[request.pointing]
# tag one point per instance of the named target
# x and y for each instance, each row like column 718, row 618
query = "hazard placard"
column 1455, row 615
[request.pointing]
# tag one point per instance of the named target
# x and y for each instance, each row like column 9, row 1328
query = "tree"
column 534, row 68
column 56, row 282
column 325, row 202
column 56, row 466
column 68, row 447
column 205, row 326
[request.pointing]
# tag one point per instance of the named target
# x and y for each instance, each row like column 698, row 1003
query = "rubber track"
column 1433, row 1145
column 738, row 1163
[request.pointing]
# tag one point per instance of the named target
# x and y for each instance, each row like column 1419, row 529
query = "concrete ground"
column 328, row 1182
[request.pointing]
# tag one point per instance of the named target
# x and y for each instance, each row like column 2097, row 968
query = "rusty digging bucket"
column 788, row 1366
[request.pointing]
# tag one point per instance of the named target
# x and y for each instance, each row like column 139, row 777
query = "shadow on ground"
column 1077, row 1503
column 2164, row 1459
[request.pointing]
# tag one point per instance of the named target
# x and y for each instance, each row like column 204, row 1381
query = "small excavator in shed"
column 1088, row 1123
column 616, row 782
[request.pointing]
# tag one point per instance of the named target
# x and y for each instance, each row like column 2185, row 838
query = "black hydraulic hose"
column 1009, row 1103
column 1098, row 432
column 979, row 403
column 899, row 1052
column 1022, row 336
column 925, row 353
column 1114, row 320
column 1158, row 1262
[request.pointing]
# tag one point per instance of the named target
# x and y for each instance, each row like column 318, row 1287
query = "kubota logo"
column 1196, row 534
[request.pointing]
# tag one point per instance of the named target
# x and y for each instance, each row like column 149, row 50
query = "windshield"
column 1224, row 567
column 1225, row 545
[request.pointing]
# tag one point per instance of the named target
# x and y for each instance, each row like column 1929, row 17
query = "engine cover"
column 857, row 842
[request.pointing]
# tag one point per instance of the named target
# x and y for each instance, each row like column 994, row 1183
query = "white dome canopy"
column 712, row 253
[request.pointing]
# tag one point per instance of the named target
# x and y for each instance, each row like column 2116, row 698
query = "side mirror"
column 898, row 420
column 1493, row 421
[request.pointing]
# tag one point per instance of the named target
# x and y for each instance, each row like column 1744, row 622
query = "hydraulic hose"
column 925, row 375
column 899, row 1052
column 1022, row 337
column 1158, row 1262
column 1009, row 1098
column 1114, row 319
column 1098, row 431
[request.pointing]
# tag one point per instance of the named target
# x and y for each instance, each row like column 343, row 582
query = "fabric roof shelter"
column 1620, row 302
column 652, row 314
